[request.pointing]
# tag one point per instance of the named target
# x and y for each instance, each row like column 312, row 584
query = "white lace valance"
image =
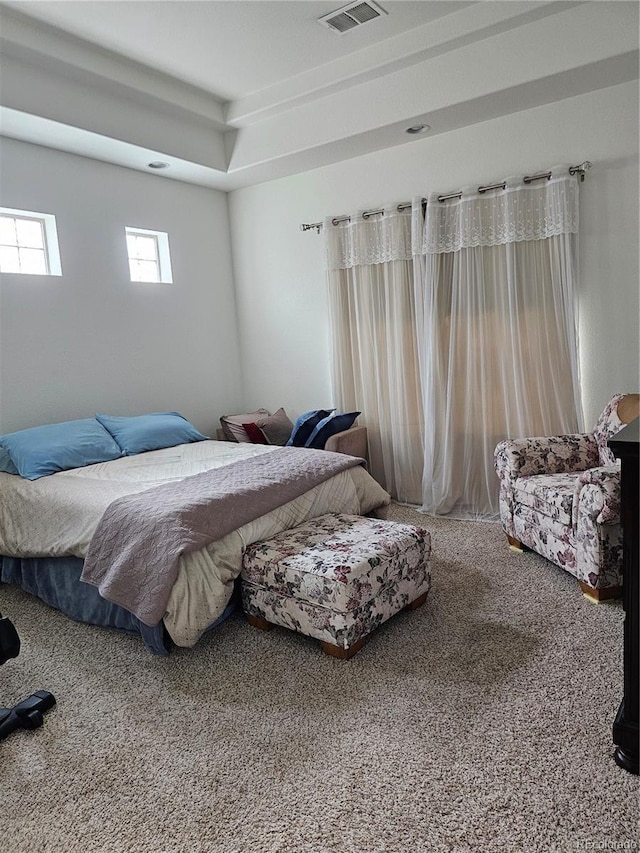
column 519, row 212
column 372, row 239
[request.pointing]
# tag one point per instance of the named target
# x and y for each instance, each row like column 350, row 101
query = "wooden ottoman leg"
column 258, row 622
column 418, row 602
column 339, row 652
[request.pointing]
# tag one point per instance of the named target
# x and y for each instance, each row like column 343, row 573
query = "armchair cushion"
column 561, row 497
column 551, row 495
column 524, row 457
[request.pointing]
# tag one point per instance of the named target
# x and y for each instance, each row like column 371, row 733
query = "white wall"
column 94, row 341
column 278, row 270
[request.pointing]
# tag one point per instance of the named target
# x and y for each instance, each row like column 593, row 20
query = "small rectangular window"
column 148, row 253
column 28, row 243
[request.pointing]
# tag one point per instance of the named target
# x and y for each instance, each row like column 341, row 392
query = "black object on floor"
column 9, row 641
column 28, row 713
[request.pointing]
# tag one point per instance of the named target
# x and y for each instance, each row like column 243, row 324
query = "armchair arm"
column 558, row 454
column 351, row 441
column 597, row 495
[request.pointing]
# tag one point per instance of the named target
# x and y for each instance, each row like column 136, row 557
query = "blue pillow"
column 329, row 426
column 140, row 433
column 305, row 425
column 6, row 464
column 44, row 450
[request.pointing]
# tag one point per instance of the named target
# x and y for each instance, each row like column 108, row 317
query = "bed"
column 49, row 526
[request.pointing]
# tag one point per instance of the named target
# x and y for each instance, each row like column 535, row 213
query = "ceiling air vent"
column 352, row 16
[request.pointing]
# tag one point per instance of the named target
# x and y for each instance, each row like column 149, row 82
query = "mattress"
column 55, row 517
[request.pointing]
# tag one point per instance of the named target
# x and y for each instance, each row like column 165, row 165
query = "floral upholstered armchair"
column 560, row 497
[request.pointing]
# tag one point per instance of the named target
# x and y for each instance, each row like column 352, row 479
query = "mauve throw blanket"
column 134, row 553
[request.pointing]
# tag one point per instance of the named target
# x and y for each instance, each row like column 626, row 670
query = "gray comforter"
column 134, row 553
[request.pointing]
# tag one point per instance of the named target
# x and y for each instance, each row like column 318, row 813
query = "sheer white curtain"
column 494, row 293
column 374, row 341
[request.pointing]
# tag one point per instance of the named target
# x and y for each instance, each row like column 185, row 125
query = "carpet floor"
column 479, row 722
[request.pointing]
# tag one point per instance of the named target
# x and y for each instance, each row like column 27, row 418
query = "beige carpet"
column 480, row 722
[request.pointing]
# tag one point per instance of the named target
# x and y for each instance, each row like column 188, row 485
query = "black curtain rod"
column 528, row 179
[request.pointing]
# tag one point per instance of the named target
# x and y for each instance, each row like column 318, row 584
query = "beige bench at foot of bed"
column 336, row 578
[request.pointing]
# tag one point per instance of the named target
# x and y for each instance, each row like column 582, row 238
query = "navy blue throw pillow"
column 329, row 426
column 305, row 425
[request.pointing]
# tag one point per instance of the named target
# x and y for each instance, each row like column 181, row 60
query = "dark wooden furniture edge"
column 625, row 446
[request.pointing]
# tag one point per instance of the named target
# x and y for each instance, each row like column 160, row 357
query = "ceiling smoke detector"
column 351, row 16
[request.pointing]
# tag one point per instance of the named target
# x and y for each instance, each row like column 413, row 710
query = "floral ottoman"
column 336, row 578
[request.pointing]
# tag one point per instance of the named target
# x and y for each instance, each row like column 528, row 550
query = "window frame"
column 163, row 257
column 50, row 245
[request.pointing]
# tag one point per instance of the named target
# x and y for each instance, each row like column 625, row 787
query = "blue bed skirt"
column 56, row 580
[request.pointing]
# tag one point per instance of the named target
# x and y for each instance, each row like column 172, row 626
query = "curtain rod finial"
column 581, row 169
